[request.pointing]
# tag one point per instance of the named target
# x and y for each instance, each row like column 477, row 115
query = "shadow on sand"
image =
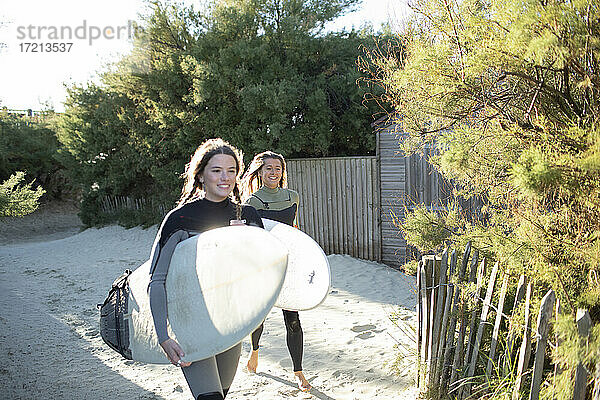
column 316, row 393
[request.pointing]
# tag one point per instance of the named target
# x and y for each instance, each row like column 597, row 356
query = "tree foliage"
column 31, row 146
column 509, row 93
column 261, row 74
column 18, row 199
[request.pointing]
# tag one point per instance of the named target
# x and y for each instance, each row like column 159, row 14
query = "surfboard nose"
column 308, row 275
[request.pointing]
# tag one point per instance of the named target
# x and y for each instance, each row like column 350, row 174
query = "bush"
column 32, row 147
column 18, row 199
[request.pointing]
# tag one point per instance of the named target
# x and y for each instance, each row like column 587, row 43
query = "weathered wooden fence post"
column 496, row 332
column 433, row 265
column 425, row 317
column 510, row 343
column 470, row 339
column 442, row 267
column 442, row 349
column 525, row 350
column 482, row 324
column 543, row 325
column 451, row 332
column 457, row 365
column 584, row 324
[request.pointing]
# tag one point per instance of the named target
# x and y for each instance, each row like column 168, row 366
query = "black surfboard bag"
column 113, row 328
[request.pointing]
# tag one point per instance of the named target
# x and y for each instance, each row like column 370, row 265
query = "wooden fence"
column 407, row 182
column 339, row 203
column 455, row 316
column 114, row 204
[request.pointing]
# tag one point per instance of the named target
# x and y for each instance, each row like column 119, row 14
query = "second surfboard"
column 307, row 280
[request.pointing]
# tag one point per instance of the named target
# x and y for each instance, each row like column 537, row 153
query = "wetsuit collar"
column 216, row 204
column 269, row 190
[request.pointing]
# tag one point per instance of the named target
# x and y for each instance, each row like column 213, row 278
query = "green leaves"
column 17, row 198
column 31, row 146
column 258, row 73
column 425, row 229
column 506, row 91
column 534, row 174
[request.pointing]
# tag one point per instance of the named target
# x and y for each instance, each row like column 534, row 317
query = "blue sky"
column 36, row 79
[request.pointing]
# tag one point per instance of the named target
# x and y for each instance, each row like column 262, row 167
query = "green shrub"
column 17, row 198
column 32, row 147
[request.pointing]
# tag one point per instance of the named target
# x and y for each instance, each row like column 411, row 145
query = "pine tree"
column 509, row 93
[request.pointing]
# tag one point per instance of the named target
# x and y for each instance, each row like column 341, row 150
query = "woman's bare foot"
column 303, row 384
column 253, row 361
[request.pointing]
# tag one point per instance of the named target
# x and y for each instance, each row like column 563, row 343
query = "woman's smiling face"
column 218, row 177
column 271, row 172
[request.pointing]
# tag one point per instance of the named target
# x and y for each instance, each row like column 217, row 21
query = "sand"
column 52, row 277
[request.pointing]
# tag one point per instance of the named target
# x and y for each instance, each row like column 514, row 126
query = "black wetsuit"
column 281, row 205
column 212, row 377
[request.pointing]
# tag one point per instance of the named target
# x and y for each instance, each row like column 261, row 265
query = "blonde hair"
column 251, row 180
column 193, row 188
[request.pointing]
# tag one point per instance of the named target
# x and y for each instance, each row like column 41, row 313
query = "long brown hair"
column 193, row 188
column 251, row 180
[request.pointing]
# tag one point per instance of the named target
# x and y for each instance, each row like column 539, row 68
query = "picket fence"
column 113, row 204
column 452, row 323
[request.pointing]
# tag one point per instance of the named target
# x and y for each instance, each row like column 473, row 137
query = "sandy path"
column 49, row 334
column 51, row 221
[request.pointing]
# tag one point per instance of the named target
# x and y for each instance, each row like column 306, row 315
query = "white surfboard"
column 221, row 285
column 308, row 276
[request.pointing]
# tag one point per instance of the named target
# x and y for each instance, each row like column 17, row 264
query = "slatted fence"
column 114, row 204
column 461, row 316
column 407, row 182
column 339, row 203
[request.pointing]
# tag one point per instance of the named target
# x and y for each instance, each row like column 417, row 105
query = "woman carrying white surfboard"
column 206, row 203
column 264, row 187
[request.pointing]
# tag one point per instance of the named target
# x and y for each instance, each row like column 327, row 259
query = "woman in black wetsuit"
column 211, row 180
column 264, row 187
